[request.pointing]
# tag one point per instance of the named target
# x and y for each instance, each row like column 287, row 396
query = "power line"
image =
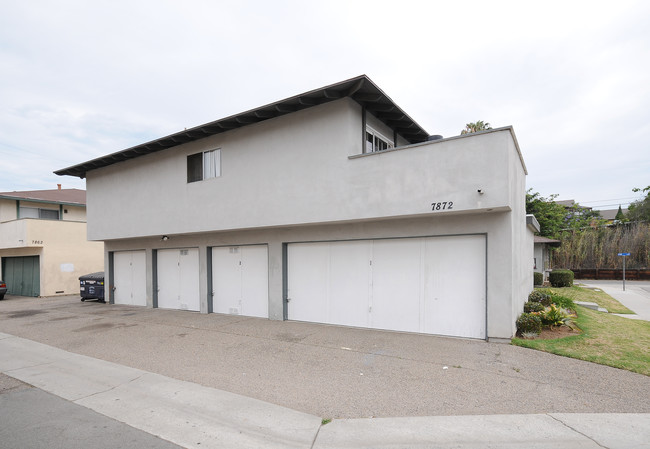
column 612, row 199
column 623, row 205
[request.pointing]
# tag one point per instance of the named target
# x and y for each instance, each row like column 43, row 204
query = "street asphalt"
column 224, row 381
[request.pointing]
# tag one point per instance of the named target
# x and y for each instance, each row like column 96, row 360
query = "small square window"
column 203, row 165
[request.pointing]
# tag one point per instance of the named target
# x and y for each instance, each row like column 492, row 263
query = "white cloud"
column 82, row 79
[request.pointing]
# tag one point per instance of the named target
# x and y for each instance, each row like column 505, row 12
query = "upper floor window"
column 376, row 142
column 42, row 214
column 204, row 165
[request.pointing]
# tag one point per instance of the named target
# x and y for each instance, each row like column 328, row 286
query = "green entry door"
column 22, row 275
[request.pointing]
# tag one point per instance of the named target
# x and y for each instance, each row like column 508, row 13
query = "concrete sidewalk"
column 636, row 296
column 196, row 416
column 34, row 419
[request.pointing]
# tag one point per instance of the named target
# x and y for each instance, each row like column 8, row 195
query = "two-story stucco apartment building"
column 43, row 244
column 333, row 206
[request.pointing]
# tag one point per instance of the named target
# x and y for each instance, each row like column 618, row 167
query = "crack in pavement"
column 575, row 430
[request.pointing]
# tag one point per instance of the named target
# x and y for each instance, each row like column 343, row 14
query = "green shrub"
column 553, row 316
column 563, row 301
column 561, row 278
column 529, row 322
column 540, row 297
column 530, row 307
column 539, row 278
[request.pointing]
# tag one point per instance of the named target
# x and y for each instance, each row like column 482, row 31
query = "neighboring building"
column 542, row 261
column 577, row 208
column 332, row 206
column 568, row 203
column 610, row 214
column 43, row 244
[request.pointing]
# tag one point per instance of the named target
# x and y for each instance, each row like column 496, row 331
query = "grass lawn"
column 589, row 295
column 605, row 339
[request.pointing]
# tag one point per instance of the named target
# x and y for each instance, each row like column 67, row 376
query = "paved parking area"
column 328, row 371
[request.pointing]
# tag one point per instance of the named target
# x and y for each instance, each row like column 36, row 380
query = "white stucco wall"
column 303, row 177
column 494, row 224
column 522, row 236
column 297, row 169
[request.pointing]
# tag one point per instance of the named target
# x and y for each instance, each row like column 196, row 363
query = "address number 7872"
column 444, row 205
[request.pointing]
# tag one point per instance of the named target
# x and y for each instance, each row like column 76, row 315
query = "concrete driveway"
column 328, row 371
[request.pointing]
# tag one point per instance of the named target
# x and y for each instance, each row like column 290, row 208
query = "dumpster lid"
column 98, row 276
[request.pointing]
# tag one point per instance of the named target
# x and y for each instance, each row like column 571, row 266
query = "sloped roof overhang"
column 360, row 89
column 70, row 197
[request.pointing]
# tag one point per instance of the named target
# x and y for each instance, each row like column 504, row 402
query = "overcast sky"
column 81, row 79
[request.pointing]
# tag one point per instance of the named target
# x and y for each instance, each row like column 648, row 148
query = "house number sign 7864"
column 445, row 205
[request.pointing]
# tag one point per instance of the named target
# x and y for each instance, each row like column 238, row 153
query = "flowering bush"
column 555, row 316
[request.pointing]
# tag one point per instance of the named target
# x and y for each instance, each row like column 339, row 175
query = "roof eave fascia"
column 290, row 104
column 37, row 200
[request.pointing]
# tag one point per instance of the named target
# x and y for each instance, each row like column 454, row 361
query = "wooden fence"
column 605, row 273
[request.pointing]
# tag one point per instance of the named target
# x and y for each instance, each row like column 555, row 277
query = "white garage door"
column 433, row 285
column 129, row 278
column 240, row 283
column 178, row 279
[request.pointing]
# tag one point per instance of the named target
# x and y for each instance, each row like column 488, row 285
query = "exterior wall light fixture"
column 164, row 238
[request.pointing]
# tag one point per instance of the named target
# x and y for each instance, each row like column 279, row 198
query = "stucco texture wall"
column 7, row 210
column 65, row 255
column 302, row 177
column 296, row 169
column 494, row 225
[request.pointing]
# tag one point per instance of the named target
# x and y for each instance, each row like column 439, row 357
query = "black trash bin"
column 91, row 286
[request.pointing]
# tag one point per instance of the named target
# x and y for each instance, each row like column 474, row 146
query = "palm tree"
column 474, row 127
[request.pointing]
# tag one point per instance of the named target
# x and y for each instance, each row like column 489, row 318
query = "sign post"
column 623, row 255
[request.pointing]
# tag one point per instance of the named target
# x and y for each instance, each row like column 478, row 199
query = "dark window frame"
column 195, row 167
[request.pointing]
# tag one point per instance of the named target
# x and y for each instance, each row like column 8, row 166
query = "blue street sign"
column 623, row 254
